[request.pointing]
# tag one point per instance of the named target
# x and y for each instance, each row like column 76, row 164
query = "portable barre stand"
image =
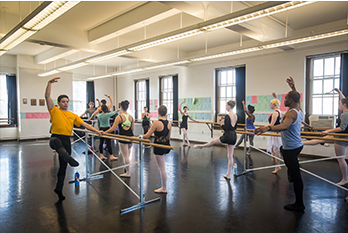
column 99, row 175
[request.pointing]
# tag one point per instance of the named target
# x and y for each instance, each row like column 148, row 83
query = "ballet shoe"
column 113, row 158
column 294, row 207
column 342, row 182
column 227, row 177
column 59, row 194
column 276, row 170
column 72, row 162
column 160, row 191
column 125, row 175
column 102, row 157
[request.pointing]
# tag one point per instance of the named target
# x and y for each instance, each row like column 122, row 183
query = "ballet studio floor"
column 199, row 199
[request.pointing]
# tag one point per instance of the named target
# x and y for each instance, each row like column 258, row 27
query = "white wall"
column 266, row 72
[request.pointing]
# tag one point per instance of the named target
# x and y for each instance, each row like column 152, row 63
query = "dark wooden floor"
column 199, row 198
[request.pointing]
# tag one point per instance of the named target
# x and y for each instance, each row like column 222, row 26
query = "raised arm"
column 111, row 103
column 291, row 83
column 48, row 98
column 339, row 92
column 98, row 103
column 246, row 110
column 180, row 107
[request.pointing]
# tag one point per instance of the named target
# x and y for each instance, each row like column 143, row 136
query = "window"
column 140, row 97
column 324, row 76
column 167, row 95
column 226, row 88
column 79, row 97
column 3, row 98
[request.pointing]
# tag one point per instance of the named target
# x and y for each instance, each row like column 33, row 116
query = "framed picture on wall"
column 41, row 102
column 25, row 100
column 33, row 102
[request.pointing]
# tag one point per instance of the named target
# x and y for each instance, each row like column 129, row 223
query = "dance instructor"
column 62, row 125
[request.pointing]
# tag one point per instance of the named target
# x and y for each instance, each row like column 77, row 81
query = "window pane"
column 318, row 67
column 317, row 86
column 317, row 106
column 338, row 65
column 223, row 78
column 222, row 106
column 3, row 97
column 337, row 83
column 327, row 106
column 328, row 85
column 229, row 77
column 336, row 100
column 223, row 92
column 234, row 92
column 229, row 92
column 329, row 66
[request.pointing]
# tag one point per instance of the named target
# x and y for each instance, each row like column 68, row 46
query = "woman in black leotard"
column 162, row 129
column 183, row 125
column 229, row 137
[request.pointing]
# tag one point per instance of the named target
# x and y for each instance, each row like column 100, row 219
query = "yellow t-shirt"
column 63, row 121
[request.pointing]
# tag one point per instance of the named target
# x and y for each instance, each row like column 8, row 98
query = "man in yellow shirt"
column 61, row 129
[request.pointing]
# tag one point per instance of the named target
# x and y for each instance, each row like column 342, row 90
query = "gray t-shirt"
column 89, row 112
column 343, row 126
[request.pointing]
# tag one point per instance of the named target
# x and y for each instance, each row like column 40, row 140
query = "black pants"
column 294, row 173
column 56, row 143
column 146, row 127
column 107, row 140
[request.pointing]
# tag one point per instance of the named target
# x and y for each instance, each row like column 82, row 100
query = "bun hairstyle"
column 125, row 104
column 104, row 108
column 184, row 107
column 162, row 110
column 231, row 103
column 275, row 102
column 103, row 101
column 251, row 108
column 62, row 96
column 344, row 101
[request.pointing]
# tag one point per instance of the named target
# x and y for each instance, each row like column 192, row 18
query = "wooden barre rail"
column 309, row 133
column 306, row 137
column 127, row 139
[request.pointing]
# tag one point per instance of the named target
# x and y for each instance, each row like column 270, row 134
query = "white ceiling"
column 70, row 31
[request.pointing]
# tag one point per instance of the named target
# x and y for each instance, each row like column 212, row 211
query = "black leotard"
column 277, row 121
column 162, row 137
column 122, row 131
column 229, row 135
column 184, row 121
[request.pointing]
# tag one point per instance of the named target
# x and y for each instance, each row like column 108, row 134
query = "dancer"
column 340, row 147
column 125, row 123
column 145, row 116
column 274, row 143
column 103, row 102
column 249, row 125
column 162, row 129
column 229, row 137
column 62, row 125
column 183, row 125
column 292, row 145
column 104, row 124
column 89, row 111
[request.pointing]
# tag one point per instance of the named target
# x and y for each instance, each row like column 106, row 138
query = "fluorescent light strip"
column 225, row 54
column 200, row 29
column 33, row 23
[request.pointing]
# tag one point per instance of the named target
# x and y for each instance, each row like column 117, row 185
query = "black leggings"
column 107, row 140
column 61, row 144
column 146, row 128
column 294, row 173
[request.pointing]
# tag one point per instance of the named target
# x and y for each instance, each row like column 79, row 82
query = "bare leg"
column 340, row 151
column 213, row 142
column 277, row 162
column 125, row 153
column 317, row 141
column 160, row 159
column 183, row 136
column 230, row 149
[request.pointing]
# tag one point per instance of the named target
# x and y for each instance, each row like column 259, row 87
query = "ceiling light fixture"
column 256, row 12
column 230, row 53
column 35, row 21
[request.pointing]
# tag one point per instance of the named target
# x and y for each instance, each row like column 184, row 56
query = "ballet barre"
column 246, row 170
column 98, row 175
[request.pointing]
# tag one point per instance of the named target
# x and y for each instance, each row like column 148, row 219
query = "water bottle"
column 235, row 168
column 77, row 178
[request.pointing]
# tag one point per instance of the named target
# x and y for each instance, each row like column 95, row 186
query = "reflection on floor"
column 199, row 198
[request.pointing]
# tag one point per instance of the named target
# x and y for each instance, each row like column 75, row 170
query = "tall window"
column 140, row 97
column 226, row 88
column 3, row 98
column 324, row 76
column 79, row 97
column 167, row 95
